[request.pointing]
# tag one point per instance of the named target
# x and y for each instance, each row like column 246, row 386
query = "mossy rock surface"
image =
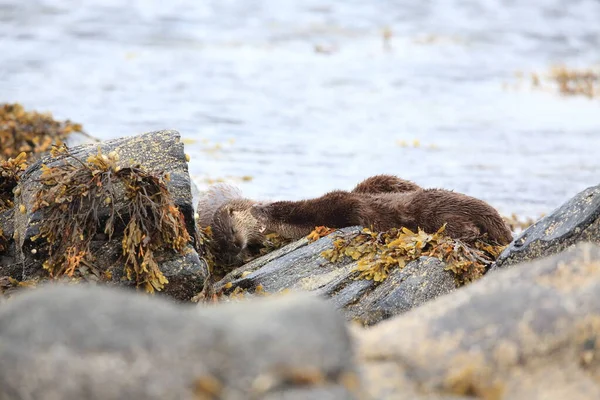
column 575, row 221
column 526, row 333
column 300, row 266
column 82, row 342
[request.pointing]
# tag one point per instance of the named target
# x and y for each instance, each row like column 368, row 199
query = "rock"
column 575, row 221
column 8, row 257
column 155, row 151
column 404, row 289
column 531, row 332
column 185, row 272
column 83, row 342
column 76, row 138
column 299, row 266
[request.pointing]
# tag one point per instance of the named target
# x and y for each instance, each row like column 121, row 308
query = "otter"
column 390, row 205
column 385, row 184
column 237, row 234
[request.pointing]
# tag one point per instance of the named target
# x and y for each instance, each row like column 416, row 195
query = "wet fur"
column 467, row 218
column 385, row 184
column 235, row 232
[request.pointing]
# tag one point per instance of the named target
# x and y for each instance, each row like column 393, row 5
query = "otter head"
column 235, row 231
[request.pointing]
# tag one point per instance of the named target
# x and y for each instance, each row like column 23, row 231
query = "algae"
column 572, row 81
column 378, row 253
column 272, row 242
column 567, row 81
column 74, row 193
column 30, row 132
column 10, row 286
column 10, row 172
column 519, row 224
column 319, row 232
column 3, row 242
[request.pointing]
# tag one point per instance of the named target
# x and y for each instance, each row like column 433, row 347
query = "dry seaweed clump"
column 318, row 233
column 29, row 131
column 378, row 253
column 3, row 242
column 10, row 172
column 74, row 192
column 272, row 242
column 572, row 81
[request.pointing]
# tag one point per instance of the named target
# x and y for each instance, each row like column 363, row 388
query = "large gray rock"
column 79, row 342
column 575, row 221
column 154, row 151
column 525, row 333
column 300, row 266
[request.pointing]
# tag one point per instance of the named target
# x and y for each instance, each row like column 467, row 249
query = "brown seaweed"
column 73, row 194
column 378, row 252
column 30, row 132
column 10, row 172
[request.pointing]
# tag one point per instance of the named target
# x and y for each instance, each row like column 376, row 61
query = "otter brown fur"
column 385, row 184
column 235, row 232
column 466, row 218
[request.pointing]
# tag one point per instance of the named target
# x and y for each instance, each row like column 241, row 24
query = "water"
column 304, row 97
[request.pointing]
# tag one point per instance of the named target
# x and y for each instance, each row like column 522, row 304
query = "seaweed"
column 576, row 81
column 30, row 132
column 75, row 191
column 318, row 233
column 567, row 81
column 9, row 285
column 519, row 224
column 3, row 241
column 272, row 242
column 204, row 246
column 10, row 172
column 378, row 252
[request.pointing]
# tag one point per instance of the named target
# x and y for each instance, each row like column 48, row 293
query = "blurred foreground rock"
column 83, row 342
column 575, row 221
column 525, row 333
column 531, row 332
column 300, row 266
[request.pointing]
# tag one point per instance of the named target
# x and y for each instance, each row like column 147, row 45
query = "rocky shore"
column 301, row 322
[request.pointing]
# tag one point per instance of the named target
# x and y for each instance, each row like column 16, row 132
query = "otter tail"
column 213, row 198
